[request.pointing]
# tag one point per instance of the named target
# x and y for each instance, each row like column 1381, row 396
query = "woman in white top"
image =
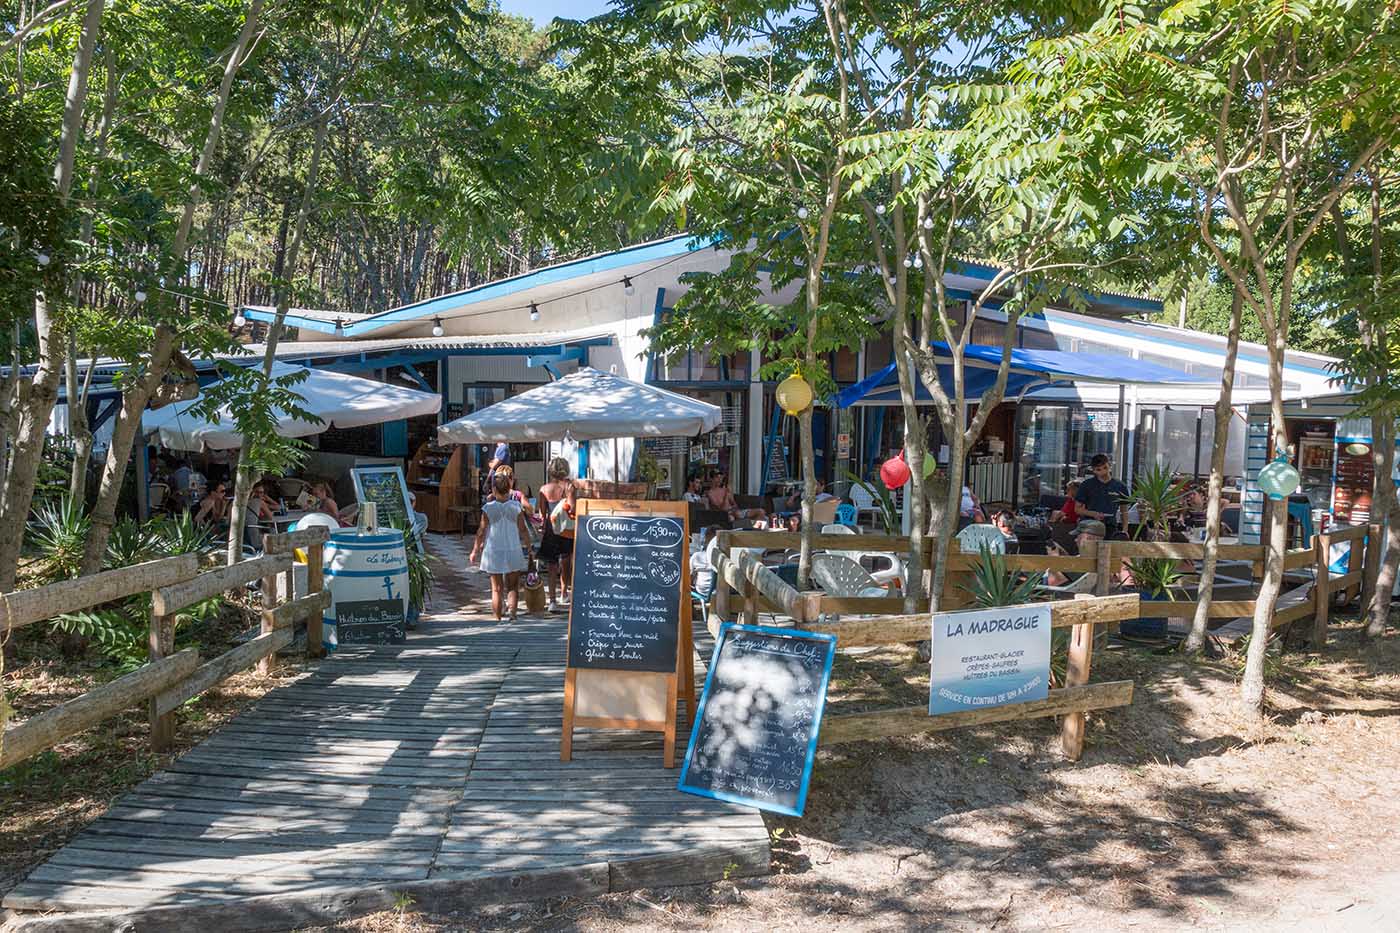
column 500, row 545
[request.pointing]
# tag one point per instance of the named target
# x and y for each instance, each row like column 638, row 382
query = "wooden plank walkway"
column 438, row 758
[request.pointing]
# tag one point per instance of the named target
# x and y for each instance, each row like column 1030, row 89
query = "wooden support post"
column 1370, row 566
column 269, row 598
column 721, row 600
column 1322, row 589
column 315, row 583
column 162, row 645
column 750, row 614
column 1103, row 567
column 1081, row 651
column 566, row 741
column 1354, row 589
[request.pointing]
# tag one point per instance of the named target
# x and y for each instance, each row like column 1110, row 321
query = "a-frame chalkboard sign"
column 630, row 651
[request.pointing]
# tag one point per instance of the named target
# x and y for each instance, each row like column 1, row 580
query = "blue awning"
column 1029, row 369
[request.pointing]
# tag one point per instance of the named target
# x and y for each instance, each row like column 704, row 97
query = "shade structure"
column 339, row 400
column 1029, row 370
column 585, row 405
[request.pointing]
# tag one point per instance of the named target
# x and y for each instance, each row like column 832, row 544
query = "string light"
column 893, row 280
column 140, row 297
column 534, row 311
column 239, row 320
column 880, row 209
column 918, row 262
column 627, row 287
column 42, row 259
column 802, row 213
column 437, row 327
column 928, row 223
column 908, row 262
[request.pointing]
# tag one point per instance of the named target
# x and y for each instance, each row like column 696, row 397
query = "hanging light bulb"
column 894, row 280
column 880, row 209
column 42, row 259
column 140, row 296
column 437, row 327
column 802, row 213
column 239, row 320
column 793, row 394
column 928, row 223
column 627, row 287
column 534, row 311
column 918, row 262
column 908, row 262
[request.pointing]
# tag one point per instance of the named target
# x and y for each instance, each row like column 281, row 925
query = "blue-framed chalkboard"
column 755, row 733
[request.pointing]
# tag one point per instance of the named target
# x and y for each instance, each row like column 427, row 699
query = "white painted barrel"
column 361, row 567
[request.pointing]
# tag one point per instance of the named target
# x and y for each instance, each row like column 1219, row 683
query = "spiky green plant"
column 1158, row 497
column 1154, row 575
column 993, row 584
column 57, row 533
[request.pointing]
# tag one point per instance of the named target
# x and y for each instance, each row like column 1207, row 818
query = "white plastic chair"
column 888, row 565
column 864, row 502
column 841, row 576
column 972, row 538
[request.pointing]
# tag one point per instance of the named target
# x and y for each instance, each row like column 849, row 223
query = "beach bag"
column 534, row 589
column 561, row 521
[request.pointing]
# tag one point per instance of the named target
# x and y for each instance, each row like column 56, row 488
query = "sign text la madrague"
column 989, row 657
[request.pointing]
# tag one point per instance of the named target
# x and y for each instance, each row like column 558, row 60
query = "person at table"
column 695, row 489
column 500, row 545
column 1087, row 533
column 1068, row 512
column 261, row 507
column 1005, row 522
column 325, row 502
column 971, row 507
column 721, row 498
column 792, row 505
column 556, row 547
column 1101, row 497
column 213, row 508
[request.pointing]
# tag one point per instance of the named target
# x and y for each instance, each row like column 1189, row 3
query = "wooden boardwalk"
column 397, row 764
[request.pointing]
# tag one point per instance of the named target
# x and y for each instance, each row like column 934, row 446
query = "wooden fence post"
column 1322, row 588
column 1370, row 565
column 269, row 597
column 721, row 601
column 315, row 583
column 1081, row 651
column 162, row 645
column 1103, row 554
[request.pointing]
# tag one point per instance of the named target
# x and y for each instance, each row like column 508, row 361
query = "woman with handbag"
column 556, row 500
column 502, row 542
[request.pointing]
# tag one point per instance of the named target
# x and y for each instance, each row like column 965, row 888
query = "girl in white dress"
column 500, row 545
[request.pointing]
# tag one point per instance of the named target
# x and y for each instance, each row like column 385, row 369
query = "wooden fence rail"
column 170, row 678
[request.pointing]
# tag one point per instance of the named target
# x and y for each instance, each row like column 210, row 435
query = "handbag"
column 561, row 520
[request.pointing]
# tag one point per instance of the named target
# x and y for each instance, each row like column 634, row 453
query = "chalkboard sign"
column 755, row 735
column 627, row 592
column 385, row 487
column 370, row 622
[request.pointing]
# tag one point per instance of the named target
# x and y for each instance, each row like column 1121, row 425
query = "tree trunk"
column 78, row 428
column 952, row 500
column 164, row 345
column 1275, row 542
column 1383, row 504
column 809, row 499
column 1224, row 411
column 243, row 483
column 32, row 416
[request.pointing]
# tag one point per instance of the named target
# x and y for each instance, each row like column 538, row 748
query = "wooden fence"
column 742, row 577
column 170, row 677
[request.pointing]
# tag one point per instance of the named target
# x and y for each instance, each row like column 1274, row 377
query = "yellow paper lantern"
column 794, row 394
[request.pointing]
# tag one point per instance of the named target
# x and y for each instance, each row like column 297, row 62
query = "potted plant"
column 1154, row 578
column 420, row 577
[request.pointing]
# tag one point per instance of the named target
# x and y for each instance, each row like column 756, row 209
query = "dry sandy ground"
column 1178, row 815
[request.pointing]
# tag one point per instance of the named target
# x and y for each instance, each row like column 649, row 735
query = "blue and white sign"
column 989, row 657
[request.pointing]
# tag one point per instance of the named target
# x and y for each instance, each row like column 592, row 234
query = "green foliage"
column 57, row 534
column 1159, row 497
column 993, row 584
column 1154, row 575
column 420, row 571
column 879, row 493
column 55, row 469
column 255, row 403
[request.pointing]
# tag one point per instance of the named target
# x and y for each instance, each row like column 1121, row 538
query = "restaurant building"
column 493, row 340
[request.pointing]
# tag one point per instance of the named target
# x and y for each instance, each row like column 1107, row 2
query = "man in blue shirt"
column 1102, row 497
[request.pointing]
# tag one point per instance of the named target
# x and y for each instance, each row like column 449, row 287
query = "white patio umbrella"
column 586, row 405
column 341, row 401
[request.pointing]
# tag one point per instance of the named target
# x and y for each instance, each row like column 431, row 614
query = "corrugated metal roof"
column 297, row 349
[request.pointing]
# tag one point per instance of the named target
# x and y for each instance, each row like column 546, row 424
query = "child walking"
column 503, row 535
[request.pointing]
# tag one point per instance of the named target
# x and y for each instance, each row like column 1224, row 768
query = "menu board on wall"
column 627, row 592
column 1351, row 492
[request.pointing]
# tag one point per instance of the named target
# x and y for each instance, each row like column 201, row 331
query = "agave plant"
column 131, row 543
column 1154, row 576
column 181, row 534
column 1158, row 498
column 994, row 585
column 58, row 531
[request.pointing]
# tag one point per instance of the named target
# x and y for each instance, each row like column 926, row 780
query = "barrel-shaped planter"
column 367, row 576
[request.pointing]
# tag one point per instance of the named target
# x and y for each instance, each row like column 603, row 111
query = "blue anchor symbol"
column 389, row 587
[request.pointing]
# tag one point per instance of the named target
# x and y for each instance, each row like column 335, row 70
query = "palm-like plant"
column 994, row 585
column 1158, row 498
column 58, row 533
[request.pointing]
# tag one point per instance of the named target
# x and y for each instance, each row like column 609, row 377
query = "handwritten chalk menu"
column 370, row 622
column 627, row 593
column 756, row 732
column 385, row 487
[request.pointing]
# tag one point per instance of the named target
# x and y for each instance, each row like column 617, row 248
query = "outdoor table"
column 285, row 520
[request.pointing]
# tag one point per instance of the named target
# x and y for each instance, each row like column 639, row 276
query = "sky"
column 542, row 11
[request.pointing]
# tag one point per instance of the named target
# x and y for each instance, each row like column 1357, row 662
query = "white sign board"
column 989, row 657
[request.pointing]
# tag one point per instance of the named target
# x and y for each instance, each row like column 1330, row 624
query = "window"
column 1033, row 338
column 1170, row 362
column 845, row 365
column 879, row 352
column 1108, row 349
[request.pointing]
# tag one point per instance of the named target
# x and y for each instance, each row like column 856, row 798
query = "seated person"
column 793, row 522
column 1086, row 533
column 971, row 506
column 793, row 503
column 721, row 498
column 324, row 501
column 261, row 507
column 213, row 508
column 1005, row 522
column 695, row 490
column 1068, row 513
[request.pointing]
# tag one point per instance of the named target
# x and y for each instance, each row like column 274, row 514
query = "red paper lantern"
column 894, row 472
